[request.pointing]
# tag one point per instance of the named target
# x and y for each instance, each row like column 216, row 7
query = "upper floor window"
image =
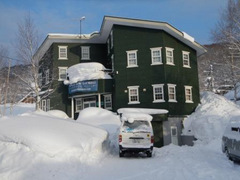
column 62, row 73
column 132, row 58
column 108, row 101
column 169, row 56
column 172, row 93
column 62, row 52
column 112, row 60
column 156, row 55
column 85, row 52
column 188, row 94
column 158, row 94
column 108, row 46
column 186, row 59
column 133, row 95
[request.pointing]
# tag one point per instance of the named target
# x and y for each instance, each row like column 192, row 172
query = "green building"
column 151, row 64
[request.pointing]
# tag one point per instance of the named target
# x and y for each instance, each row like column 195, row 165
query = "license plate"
column 136, row 141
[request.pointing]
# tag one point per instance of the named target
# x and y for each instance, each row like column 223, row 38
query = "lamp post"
column 81, row 19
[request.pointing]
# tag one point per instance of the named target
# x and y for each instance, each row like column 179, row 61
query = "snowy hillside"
column 42, row 145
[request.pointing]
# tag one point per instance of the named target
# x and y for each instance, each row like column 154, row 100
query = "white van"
column 136, row 134
column 231, row 141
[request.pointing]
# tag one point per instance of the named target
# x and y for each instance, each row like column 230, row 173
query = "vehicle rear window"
column 136, row 126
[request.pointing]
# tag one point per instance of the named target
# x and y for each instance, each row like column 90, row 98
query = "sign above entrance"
column 83, row 86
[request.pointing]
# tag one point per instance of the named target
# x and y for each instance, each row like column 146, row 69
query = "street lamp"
column 81, row 19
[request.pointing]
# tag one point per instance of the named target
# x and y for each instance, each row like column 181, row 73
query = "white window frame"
column 112, row 60
column 47, row 76
column 85, row 52
column 170, row 86
column 44, row 105
column 62, row 55
column 111, row 35
column 155, row 100
column 171, row 57
column 78, row 107
column 130, row 88
column 48, row 105
column 59, row 75
column 108, row 45
column 190, row 99
column 130, row 59
column 106, row 102
column 153, row 56
column 185, row 53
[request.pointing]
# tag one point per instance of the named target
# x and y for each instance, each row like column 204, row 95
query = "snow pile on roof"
column 211, row 117
column 48, row 135
column 131, row 117
column 142, row 110
column 86, row 71
column 104, row 119
column 188, row 37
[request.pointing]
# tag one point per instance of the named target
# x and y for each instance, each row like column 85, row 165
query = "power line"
column 14, row 59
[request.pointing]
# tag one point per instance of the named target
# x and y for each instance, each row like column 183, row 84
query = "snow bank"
column 58, row 113
column 86, row 71
column 211, row 117
column 142, row 110
column 51, row 136
column 104, row 119
column 17, row 109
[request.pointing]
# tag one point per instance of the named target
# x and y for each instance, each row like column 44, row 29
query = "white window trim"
column 156, row 49
column 188, row 87
column 61, row 67
column 128, row 52
column 78, row 99
column 47, row 76
column 112, row 60
column 108, row 95
column 62, row 58
column 154, row 97
column 129, row 97
column 85, row 58
column 170, row 63
column 186, row 53
column 108, row 46
column 172, row 86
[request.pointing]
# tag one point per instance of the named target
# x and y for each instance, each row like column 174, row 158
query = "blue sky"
column 196, row 17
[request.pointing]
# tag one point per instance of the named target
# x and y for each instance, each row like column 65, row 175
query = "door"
column 174, row 135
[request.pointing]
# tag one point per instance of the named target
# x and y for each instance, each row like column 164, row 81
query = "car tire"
column 149, row 154
column 228, row 154
column 121, row 154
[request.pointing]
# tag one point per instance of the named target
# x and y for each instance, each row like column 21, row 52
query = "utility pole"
column 81, row 19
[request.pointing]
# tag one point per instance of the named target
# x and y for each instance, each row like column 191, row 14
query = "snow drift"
column 86, row 71
column 211, row 117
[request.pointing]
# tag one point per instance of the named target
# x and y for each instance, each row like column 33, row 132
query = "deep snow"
column 203, row 161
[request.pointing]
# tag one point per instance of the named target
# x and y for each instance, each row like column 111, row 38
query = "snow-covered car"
column 136, row 134
column 231, row 141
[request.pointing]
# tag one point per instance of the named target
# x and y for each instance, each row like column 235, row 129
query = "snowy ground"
column 20, row 158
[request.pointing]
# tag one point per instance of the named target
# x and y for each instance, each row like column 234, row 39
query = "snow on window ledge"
column 136, row 102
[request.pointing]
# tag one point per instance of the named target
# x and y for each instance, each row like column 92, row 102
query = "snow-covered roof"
column 142, row 110
column 86, row 71
column 131, row 117
column 106, row 27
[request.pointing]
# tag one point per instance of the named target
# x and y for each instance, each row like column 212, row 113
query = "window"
column 62, row 52
column 85, row 52
column 158, row 95
column 133, row 95
column 44, row 105
column 112, row 59
column 62, row 71
column 48, row 104
column 132, row 58
column 47, row 76
column 186, row 59
column 156, row 56
column 79, row 106
column 108, row 46
column 172, row 93
column 111, row 34
column 40, row 79
column 188, row 94
column 169, row 56
column 108, row 101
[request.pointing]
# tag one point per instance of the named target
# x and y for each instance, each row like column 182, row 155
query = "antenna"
column 81, row 19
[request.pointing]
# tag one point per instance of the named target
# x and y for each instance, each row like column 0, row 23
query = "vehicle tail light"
column 152, row 139
column 120, row 138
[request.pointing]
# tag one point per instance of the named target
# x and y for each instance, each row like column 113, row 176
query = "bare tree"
column 227, row 33
column 27, row 45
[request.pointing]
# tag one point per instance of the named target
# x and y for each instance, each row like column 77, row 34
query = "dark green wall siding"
column 145, row 75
